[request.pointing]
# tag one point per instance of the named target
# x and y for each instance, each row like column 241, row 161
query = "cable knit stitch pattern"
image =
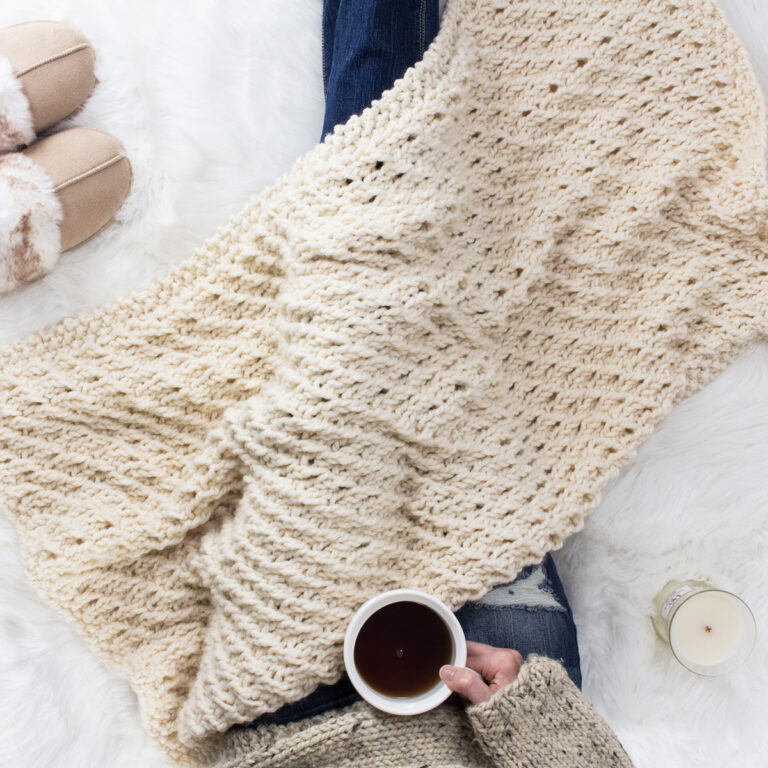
column 414, row 361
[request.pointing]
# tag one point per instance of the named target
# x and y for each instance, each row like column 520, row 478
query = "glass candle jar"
column 711, row 631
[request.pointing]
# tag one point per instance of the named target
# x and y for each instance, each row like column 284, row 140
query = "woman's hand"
column 495, row 668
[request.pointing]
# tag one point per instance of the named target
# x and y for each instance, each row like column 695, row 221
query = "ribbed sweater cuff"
column 542, row 720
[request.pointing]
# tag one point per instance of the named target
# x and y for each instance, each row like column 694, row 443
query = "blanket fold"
column 414, row 361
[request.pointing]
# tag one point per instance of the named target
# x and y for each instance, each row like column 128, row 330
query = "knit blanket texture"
column 412, row 362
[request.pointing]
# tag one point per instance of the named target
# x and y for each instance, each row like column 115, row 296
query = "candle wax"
column 707, row 629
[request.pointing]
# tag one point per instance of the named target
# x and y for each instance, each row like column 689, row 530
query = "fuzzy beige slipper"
column 54, row 196
column 91, row 177
column 30, row 215
column 46, row 73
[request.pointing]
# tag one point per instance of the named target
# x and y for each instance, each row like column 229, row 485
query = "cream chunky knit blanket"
column 414, row 361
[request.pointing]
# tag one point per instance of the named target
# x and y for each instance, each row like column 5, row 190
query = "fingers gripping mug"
column 394, row 647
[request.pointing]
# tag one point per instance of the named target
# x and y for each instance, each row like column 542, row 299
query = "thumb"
column 466, row 683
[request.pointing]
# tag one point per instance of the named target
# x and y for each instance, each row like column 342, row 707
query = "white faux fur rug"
column 213, row 101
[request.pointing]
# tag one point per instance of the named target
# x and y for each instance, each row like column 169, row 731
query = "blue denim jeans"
column 530, row 614
column 367, row 45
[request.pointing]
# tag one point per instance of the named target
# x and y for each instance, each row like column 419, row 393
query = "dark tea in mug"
column 399, row 649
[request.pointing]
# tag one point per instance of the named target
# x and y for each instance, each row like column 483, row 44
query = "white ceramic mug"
column 400, row 705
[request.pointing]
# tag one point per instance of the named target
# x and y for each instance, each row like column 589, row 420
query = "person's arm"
column 532, row 715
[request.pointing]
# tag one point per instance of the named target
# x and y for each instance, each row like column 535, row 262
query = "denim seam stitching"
column 514, row 607
column 422, row 17
column 325, row 73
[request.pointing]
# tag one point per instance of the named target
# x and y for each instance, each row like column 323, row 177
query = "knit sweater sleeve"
column 542, row 720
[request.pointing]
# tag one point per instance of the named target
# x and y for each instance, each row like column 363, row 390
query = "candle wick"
column 707, row 628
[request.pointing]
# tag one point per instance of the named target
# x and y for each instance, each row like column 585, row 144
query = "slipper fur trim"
column 30, row 214
column 16, row 126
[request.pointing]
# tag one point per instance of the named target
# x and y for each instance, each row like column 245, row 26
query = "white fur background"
column 213, row 100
